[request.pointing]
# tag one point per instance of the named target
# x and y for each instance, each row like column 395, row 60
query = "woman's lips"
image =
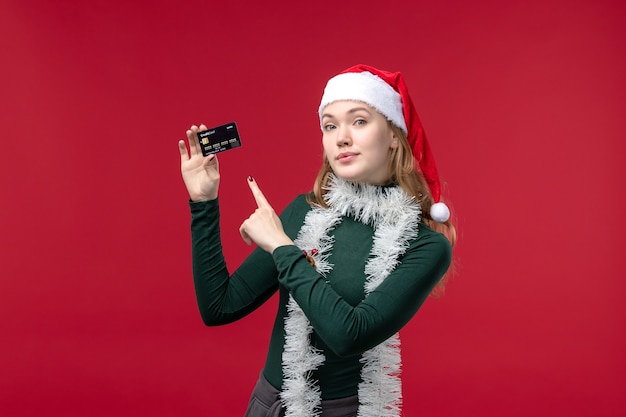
column 346, row 156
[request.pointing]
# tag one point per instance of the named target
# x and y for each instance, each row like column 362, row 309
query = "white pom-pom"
column 439, row 212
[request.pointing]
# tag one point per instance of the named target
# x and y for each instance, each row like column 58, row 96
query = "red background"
column 524, row 104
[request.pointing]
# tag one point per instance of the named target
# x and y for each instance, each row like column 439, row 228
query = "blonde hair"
column 402, row 172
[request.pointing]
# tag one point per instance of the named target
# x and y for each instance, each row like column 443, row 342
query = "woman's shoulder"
column 435, row 241
column 298, row 204
column 429, row 251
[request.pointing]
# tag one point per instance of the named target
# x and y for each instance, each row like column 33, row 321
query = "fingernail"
column 250, row 178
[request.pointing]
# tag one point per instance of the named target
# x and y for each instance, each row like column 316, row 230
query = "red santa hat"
column 388, row 94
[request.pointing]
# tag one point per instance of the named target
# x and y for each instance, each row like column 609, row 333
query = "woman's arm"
column 221, row 298
column 349, row 330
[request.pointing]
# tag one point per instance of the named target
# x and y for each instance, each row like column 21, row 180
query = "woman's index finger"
column 260, row 199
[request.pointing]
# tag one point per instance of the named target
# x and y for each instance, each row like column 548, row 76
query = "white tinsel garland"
column 395, row 217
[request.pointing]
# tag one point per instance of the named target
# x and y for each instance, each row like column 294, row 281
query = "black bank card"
column 219, row 139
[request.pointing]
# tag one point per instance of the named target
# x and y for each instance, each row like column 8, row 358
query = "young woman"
column 353, row 260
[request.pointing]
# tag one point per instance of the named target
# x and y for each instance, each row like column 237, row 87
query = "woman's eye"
column 360, row 122
column 329, row 127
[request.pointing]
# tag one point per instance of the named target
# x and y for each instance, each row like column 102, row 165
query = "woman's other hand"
column 263, row 227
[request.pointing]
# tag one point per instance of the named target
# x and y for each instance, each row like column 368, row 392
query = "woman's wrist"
column 201, row 198
column 281, row 242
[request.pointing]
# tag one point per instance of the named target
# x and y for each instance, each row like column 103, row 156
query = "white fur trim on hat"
column 368, row 88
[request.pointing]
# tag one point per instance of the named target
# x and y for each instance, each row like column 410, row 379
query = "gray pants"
column 265, row 402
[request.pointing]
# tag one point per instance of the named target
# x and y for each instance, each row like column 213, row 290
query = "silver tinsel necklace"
column 395, row 217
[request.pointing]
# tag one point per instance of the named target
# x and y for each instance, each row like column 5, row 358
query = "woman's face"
column 357, row 140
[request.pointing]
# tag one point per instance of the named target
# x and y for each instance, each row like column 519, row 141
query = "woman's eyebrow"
column 356, row 109
column 351, row 111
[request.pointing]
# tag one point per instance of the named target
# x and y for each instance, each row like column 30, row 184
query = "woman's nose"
column 344, row 137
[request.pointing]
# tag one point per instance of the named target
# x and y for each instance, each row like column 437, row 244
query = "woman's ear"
column 394, row 140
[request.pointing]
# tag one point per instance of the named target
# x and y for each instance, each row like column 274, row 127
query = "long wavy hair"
column 403, row 172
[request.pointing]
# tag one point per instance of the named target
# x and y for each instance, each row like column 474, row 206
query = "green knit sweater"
column 345, row 322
